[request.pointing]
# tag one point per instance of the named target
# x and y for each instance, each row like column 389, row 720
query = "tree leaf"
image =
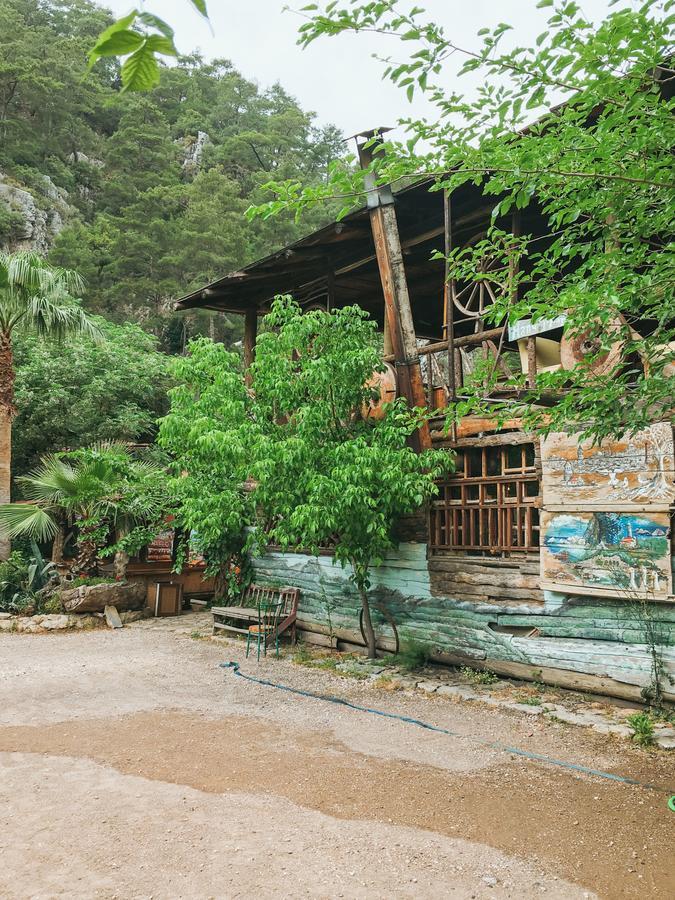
column 140, row 71
column 120, row 25
column 120, row 43
column 156, row 22
column 158, row 43
column 200, row 6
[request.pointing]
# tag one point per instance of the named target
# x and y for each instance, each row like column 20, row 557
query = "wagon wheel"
column 381, row 632
column 473, row 297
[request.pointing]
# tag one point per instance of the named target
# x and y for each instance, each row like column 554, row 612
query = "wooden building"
column 499, row 571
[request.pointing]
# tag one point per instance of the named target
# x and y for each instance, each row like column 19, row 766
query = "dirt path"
column 132, row 766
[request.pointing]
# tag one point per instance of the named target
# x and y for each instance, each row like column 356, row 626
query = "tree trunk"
column 7, row 411
column 368, row 624
column 120, row 563
column 5, row 472
column 87, row 553
column 58, row 545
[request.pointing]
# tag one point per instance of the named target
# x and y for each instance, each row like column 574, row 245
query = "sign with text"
column 527, row 328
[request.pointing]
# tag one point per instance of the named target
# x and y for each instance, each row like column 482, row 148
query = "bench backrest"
column 257, row 594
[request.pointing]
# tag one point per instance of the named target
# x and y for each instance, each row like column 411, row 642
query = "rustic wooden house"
column 530, row 560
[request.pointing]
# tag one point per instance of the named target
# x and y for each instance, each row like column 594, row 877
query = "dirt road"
column 132, row 766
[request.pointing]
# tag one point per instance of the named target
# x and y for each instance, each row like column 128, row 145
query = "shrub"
column 413, row 655
column 13, row 575
column 643, row 728
column 52, row 606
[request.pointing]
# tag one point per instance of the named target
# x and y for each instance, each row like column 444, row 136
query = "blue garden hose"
column 495, row 745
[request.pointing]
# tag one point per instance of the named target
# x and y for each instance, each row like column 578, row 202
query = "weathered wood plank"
column 482, row 577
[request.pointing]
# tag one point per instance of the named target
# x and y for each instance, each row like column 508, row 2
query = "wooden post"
column 531, row 361
column 250, row 333
column 449, row 305
column 398, row 311
column 388, row 346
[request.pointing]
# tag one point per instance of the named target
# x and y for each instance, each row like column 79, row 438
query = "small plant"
column 329, row 662
column 21, row 580
column 387, row 683
column 328, row 604
column 478, row 676
column 413, row 656
column 53, row 605
column 643, row 728
column 528, row 700
column 663, row 715
column 302, row 655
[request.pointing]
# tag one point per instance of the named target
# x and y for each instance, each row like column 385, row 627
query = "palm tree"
column 33, row 295
column 102, row 490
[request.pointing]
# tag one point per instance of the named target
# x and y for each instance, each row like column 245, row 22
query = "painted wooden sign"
column 161, row 547
column 527, row 328
column 633, row 473
column 612, row 553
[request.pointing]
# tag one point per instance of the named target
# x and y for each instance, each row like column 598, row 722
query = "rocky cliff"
column 31, row 217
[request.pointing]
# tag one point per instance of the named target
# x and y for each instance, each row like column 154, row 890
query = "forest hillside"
column 144, row 195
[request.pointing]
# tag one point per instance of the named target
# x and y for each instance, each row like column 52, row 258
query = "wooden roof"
column 338, row 262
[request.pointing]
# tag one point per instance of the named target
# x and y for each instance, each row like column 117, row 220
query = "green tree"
column 326, row 475
column 598, row 168
column 86, row 391
column 102, row 491
column 33, row 296
column 208, row 434
column 294, row 454
column 47, row 110
column 139, row 156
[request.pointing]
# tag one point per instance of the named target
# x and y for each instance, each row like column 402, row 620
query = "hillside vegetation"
column 143, row 194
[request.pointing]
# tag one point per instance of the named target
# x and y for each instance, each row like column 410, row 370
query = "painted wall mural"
column 610, row 553
column 635, row 471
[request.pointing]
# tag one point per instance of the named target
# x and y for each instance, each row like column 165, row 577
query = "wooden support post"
column 330, row 290
column 531, row 361
column 449, row 304
column 388, row 346
column 250, row 334
column 398, row 310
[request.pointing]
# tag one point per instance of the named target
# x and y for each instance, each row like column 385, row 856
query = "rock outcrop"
column 43, row 212
column 193, row 150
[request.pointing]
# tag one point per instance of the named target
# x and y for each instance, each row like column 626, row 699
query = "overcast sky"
column 335, row 77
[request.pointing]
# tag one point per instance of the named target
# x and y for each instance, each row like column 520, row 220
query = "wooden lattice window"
column 490, row 504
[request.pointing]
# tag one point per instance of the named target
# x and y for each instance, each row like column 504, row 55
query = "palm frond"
column 57, row 315
column 42, row 296
column 26, row 519
column 51, row 482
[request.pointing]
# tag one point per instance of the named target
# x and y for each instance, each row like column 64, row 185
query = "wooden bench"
column 239, row 619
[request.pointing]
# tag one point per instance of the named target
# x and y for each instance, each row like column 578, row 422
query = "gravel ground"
column 132, row 766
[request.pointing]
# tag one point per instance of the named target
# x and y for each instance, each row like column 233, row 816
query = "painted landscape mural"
column 633, row 471
column 603, row 552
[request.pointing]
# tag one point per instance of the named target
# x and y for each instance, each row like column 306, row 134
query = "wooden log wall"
column 588, row 643
column 484, row 579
